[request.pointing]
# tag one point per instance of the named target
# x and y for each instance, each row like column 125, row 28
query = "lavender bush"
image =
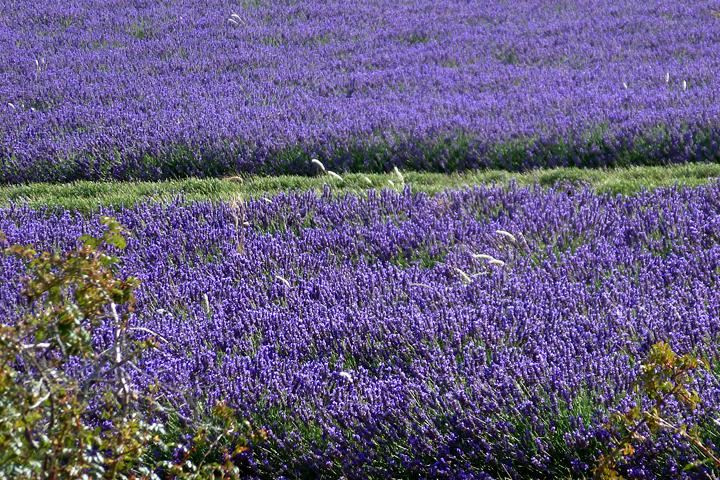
column 484, row 332
column 106, row 89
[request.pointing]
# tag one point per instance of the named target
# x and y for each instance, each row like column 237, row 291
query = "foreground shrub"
column 68, row 406
column 666, row 377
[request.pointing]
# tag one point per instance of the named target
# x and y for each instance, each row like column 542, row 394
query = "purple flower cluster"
column 480, row 332
column 126, row 90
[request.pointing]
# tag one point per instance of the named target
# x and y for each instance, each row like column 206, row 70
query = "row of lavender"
column 120, row 89
column 479, row 331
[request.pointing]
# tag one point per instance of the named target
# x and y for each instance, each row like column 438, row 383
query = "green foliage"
column 140, row 29
column 665, row 377
column 89, row 196
column 58, row 424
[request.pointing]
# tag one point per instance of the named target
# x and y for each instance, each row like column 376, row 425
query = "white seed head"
column 347, row 376
column 334, row 175
column 667, row 77
column 482, row 256
column 464, row 276
column 397, row 172
column 236, row 20
column 319, row 164
column 236, row 204
column 283, row 280
column 206, row 303
column 367, row 180
column 497, row 262
column 507, row 235
column 684, row 85
column 625, row 85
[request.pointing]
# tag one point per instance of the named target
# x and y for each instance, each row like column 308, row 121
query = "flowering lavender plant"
column 97, row 89
column 481, row 332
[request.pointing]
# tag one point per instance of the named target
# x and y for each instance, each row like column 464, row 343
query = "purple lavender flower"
column 375, row 357
column 96, row 89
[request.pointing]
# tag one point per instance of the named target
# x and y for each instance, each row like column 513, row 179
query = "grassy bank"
column 90, row 195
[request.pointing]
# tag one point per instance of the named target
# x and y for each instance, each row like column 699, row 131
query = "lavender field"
column 481, row 333
column 112, row 89
column 350, row 239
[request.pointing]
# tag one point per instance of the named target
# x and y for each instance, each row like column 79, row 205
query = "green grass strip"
column 88, row 196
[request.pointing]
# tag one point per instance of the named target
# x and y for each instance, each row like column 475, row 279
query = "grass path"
column 88, row 196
